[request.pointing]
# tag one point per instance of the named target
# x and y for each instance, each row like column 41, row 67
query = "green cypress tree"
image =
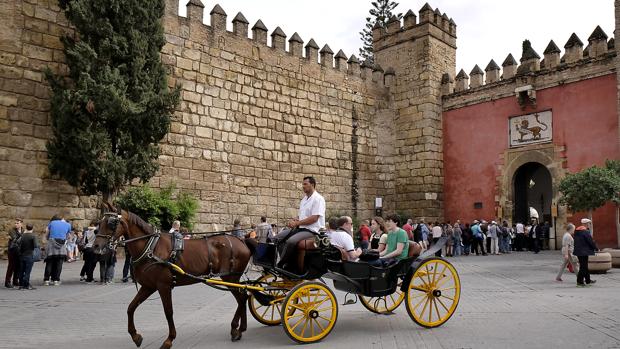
column 381, row 12
column 109, row 114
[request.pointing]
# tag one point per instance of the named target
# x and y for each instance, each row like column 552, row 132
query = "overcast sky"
column 486, row 29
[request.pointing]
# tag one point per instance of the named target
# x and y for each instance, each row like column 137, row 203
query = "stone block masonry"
column 256, row 115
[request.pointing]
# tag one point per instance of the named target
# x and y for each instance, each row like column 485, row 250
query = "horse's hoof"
column 166, row 345
column 137, row 339
column 235, row 335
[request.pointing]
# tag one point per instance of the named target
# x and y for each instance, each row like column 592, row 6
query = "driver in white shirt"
column 310, row 219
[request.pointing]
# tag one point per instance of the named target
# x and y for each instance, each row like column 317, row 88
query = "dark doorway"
column 532, row 189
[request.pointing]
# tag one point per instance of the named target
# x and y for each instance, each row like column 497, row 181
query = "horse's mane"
column 135, row 219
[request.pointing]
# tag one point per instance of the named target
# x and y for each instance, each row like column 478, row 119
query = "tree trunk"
column 107, row 197
column 591, row 222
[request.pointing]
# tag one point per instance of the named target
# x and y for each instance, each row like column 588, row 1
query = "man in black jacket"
column 27, row 246
column 584, row 247
column 12, row 270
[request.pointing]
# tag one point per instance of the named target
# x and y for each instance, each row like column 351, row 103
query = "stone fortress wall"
column 256, row 115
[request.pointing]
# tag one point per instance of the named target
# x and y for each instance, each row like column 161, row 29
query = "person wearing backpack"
column 12, row 270
column 29, row 243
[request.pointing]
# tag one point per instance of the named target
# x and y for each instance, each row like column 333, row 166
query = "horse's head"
column 111, row 227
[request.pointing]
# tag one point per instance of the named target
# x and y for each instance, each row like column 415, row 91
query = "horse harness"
column 177, row 243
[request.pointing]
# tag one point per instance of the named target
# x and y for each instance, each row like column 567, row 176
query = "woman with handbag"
column 27, row 250
column 568, row 246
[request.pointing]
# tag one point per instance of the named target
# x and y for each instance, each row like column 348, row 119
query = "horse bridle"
column 113, row 219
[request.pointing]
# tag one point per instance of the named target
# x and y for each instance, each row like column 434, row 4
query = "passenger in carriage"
column 341, row 236
column 379, row 234
column 397, row 244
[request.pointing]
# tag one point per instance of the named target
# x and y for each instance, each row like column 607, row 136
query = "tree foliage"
column 589, row 189
column 614, row 167
column 380, row 12
column 110, row 112
column 160, row 208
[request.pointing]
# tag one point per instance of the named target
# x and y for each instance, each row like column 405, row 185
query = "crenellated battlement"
column 431, row 22
column 531, row 65
column 193, row 28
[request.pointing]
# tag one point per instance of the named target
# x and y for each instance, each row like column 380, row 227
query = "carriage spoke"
column 303, row 329
column 436, row 309
column 424, row 307
column 443, row 305
column 324, row 309
column 430, row 310
column 452, row 299
column 435, row 280
column 322, row 301
column 273, row 309
column 428, row 277
column 434, row 273
column 324, row 318
column 447, row 288
column 297, row 324
column 296, row 316
column 424, row 284
column 265, row 312
column 319, row 325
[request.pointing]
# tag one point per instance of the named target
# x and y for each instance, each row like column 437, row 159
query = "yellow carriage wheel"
column 385, row 304
column 433, row 293
column 268, row 314
column 310, row 311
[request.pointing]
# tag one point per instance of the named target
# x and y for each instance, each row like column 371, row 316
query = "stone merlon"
column 195, row 9
column 218, row 18
column 259, row 32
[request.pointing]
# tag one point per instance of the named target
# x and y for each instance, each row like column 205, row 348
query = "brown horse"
column 222, row 254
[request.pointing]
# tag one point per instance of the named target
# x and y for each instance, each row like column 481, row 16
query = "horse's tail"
column 251, row 244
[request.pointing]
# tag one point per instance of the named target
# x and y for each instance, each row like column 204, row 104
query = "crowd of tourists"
column 65, row 243
column 385, row 239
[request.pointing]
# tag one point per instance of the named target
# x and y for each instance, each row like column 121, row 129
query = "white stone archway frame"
column 553, row 159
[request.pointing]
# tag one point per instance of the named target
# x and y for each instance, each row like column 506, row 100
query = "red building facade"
column 495, row 168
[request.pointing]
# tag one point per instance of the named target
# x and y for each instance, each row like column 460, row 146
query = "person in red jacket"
column 409, row 229
column 364, row 235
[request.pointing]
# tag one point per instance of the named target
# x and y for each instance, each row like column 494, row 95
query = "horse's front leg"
column 165, row 292
column 143, row 294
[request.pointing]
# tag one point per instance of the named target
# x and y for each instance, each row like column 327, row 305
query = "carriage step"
column 350, row 299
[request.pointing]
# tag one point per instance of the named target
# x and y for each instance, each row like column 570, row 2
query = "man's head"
column 392, row 221
column 570, row 228
column 29, row 226
column 263, row 219
column 366, row 222
column 18, row 223
column 345, row 223
column 309, row 185
column 410, row 221
column 332, row 222
column 176, row 225
column 237, row 222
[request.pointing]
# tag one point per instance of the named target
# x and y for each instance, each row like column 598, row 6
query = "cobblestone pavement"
column 508, row 301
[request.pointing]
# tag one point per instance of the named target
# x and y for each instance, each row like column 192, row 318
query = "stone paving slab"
column 508, row 301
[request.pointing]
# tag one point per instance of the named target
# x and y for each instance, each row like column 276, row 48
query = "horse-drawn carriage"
column 298, row 299
column 307, row 308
